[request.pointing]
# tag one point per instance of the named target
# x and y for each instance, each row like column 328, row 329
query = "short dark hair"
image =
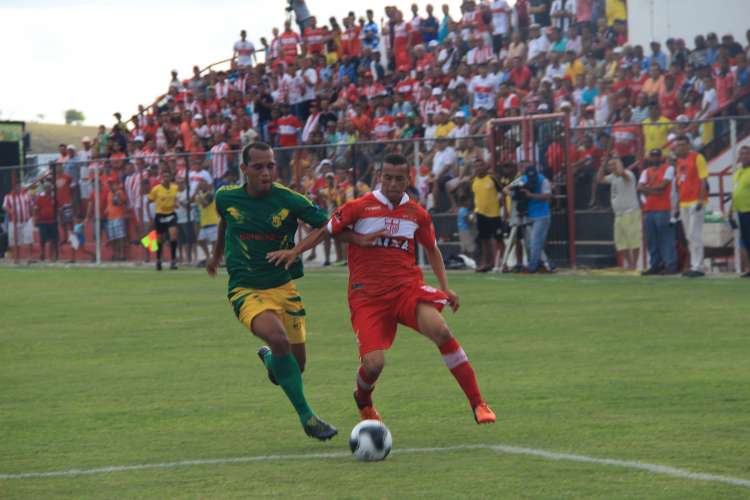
column 396, row 159
column 682, row 138
column 260, row 146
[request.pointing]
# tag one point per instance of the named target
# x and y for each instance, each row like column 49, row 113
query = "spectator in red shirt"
column 288, row 43
column 45, row 218
column 289, row 130
column 520, row 75
column 314, row 38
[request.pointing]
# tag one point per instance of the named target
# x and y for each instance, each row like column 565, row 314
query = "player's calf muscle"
column 268, row 327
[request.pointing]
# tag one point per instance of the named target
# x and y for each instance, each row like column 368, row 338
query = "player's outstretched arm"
column 287, row 257
column 213, row 263
column 435, row 258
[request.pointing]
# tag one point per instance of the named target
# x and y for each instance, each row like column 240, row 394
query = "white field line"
column 500, row 448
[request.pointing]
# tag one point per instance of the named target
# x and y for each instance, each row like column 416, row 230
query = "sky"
column 109, row 55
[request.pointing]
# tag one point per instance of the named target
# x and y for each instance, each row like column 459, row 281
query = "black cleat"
column 262, row 355
column 319, row 429
column 158, row 265
column 173, row 266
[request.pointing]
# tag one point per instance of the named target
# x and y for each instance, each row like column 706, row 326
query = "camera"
column 531, row 185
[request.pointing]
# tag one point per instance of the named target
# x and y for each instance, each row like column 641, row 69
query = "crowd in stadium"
column 436, row 76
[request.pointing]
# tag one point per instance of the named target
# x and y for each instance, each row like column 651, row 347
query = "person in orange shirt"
column 116, row 204
column 691, row 177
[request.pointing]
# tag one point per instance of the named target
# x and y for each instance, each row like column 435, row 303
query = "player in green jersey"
column 254, row 220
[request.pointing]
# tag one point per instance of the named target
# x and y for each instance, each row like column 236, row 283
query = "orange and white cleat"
column 483, row 414
column 367, row 412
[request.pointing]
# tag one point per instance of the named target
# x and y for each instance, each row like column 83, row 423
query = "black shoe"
column 694, row 274
column 158, row 265
column 262, row 355
column 173, row 266
column 746, row 275
column 319, row 429
column 650, row 272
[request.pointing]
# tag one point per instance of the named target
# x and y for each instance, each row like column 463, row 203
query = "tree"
column 74, row 116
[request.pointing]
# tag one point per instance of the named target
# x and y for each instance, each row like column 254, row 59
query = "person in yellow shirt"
column 444, row 125
column 616, row 11
column 486, row 192
column 655, row 131
column 575, row 69
column 741, row 199
column 208, row 219
column 164, row 196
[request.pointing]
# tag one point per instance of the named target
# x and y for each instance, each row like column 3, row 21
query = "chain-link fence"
column 98, row 209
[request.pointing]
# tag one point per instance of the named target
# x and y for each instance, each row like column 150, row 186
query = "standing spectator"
column 656, row 185
column 370, row 37
column 185, row 227
column 483, row 88
column 563, row 14
column 445, row 24
column 429, row 26
column 219, row 157
column 692, row 175
column 18, row 208
column 500, row 23
column 290, row 129
column 244, row 51
column 44, row 213
column 116, row 232
column 289, row 41
column 209, row 219
column 314, row 38
column 627, row 211
column 741, row 199
column 486, row 192
column 301, row 13
column 72, row 168
column 539, row 10
column 655, row 130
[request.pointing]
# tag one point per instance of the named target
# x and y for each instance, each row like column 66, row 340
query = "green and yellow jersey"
column 256, row 226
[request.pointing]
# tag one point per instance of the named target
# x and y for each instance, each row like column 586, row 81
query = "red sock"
column 457, row 362
column 365, row 386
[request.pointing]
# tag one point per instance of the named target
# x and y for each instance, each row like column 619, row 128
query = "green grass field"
column 45, row 137
column 122, row 367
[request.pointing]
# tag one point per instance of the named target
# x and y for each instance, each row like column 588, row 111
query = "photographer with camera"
column 301, row 13
column 532, row 193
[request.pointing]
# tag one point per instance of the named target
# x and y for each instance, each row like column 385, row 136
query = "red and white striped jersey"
column 18, row 207
column 479, row 55
column 219, row 160
column 133, row 188
column 391, row 262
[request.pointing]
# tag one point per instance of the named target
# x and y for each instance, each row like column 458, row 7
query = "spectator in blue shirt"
column 429, row 26
column 656, row 57
column 445, row 24
column 370, row 32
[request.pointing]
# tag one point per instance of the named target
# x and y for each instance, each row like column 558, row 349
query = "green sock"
column 286, row 371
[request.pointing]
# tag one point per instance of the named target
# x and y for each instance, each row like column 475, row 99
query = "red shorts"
column 375, row 318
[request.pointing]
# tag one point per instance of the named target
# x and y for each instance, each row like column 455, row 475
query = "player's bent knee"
column 373, row 363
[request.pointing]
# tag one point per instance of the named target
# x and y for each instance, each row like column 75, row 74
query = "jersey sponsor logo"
column 235, row 214
column 391, row 225
column 279, row 217
column 259, row 237
column 397, row 243
column 428, row 289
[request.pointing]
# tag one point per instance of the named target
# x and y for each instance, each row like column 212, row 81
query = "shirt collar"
column 385, row 201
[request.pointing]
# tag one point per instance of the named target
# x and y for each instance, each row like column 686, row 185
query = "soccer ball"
column 370, row 441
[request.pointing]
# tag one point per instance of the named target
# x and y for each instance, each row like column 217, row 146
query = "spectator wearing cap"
column 656, row 187
column 624, row 199
column 741, row 199
column 691, row 175
column 461, row 128
column 538, row 43
column 444, row 125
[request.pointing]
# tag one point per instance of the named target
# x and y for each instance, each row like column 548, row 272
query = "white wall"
column 661, row 19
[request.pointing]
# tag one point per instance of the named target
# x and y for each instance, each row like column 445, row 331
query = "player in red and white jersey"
column 351, row 45
column 386, row 287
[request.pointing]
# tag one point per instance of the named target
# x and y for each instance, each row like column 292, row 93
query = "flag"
column 151, row 242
